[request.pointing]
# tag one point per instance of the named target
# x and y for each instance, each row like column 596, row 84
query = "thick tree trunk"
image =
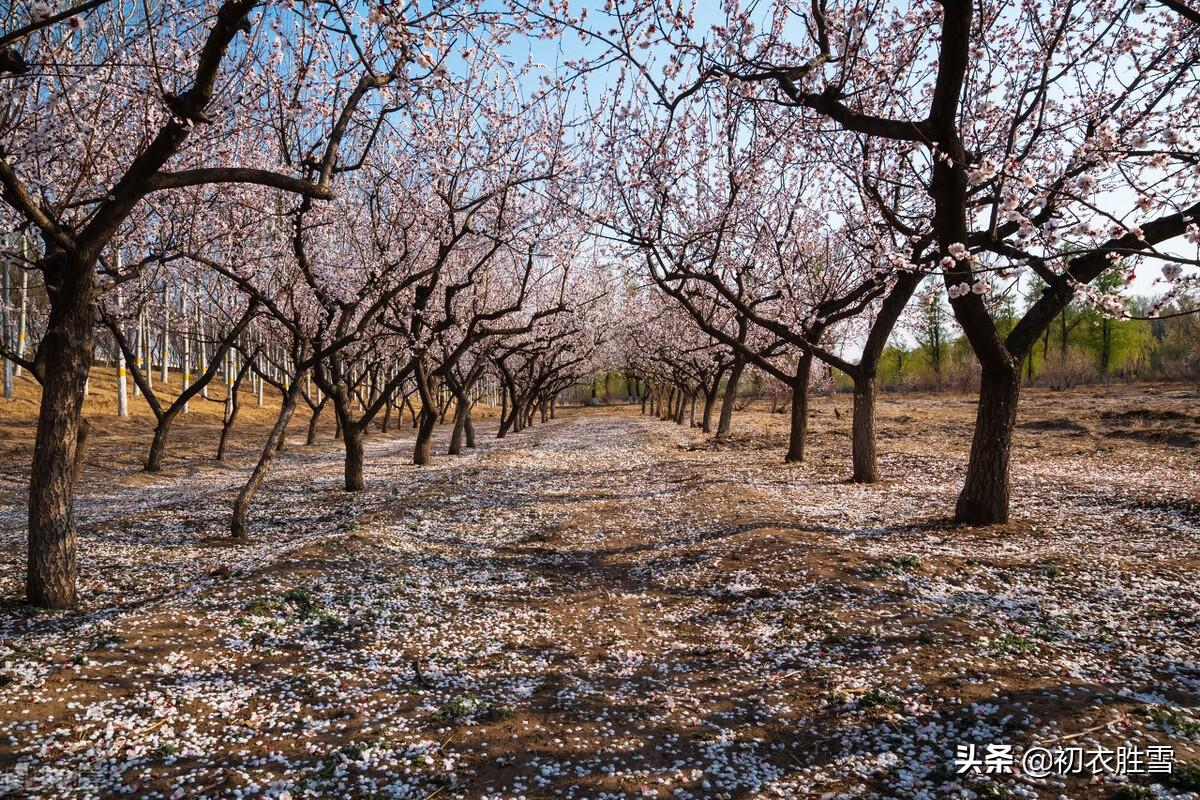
column 237, row 528
column 799, row 423
column 65, row 356
column 862, row 434
column 422, row 448
column 731, row 389
column 352, row 439
column 469, row 429
column 984, row 497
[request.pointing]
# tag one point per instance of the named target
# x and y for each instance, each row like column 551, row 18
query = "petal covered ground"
column 609, row 606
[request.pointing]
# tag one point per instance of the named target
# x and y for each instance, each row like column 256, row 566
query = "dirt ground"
column 610, row 606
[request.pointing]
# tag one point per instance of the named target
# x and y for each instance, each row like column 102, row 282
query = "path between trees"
column 605, row 606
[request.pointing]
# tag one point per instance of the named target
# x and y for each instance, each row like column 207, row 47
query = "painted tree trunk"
column 23, row 311
column 6, row 330
column 165, row 344
column 185, row 365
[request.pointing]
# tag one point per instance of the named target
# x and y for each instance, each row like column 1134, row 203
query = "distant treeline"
column 1083, row 345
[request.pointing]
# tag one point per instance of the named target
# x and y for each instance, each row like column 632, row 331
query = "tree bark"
column 353, row 438
column 158, row 446
column 422, row 454
column 799, row 421
column 731, row 389
column 81, row 439
column 237, row 527
column 311, row 437
column 862, row 434
column 64, row 357
column 469, row 429
column 984, row 497
column 710, row 400
column 461, row 411
column 234, row 405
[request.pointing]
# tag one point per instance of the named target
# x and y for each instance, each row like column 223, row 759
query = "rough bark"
column 985, row 493
column 352, row 439
column 422, row 448
column 862, row 434
column 461, row 413
column 710, row 400
column 798, row 430
column 727, row 402
column 158, row 445
column 64, row 357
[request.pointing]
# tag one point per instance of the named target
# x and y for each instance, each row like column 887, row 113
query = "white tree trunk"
column 166, row 342
column 122, row 389
column 186, row 365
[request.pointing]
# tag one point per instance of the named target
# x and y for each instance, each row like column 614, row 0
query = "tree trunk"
column 352, row 438
column 469, row 429
column 862, row 434
column 422, row 447
column 81, row 439
column 158, row 446
column 237, row 527
column 65, row 356
column 984, row 497
column 710, row 400
column 731, row 388
column 311, row 437
column 799, row 422
column 461, row 410
column 227, row 426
